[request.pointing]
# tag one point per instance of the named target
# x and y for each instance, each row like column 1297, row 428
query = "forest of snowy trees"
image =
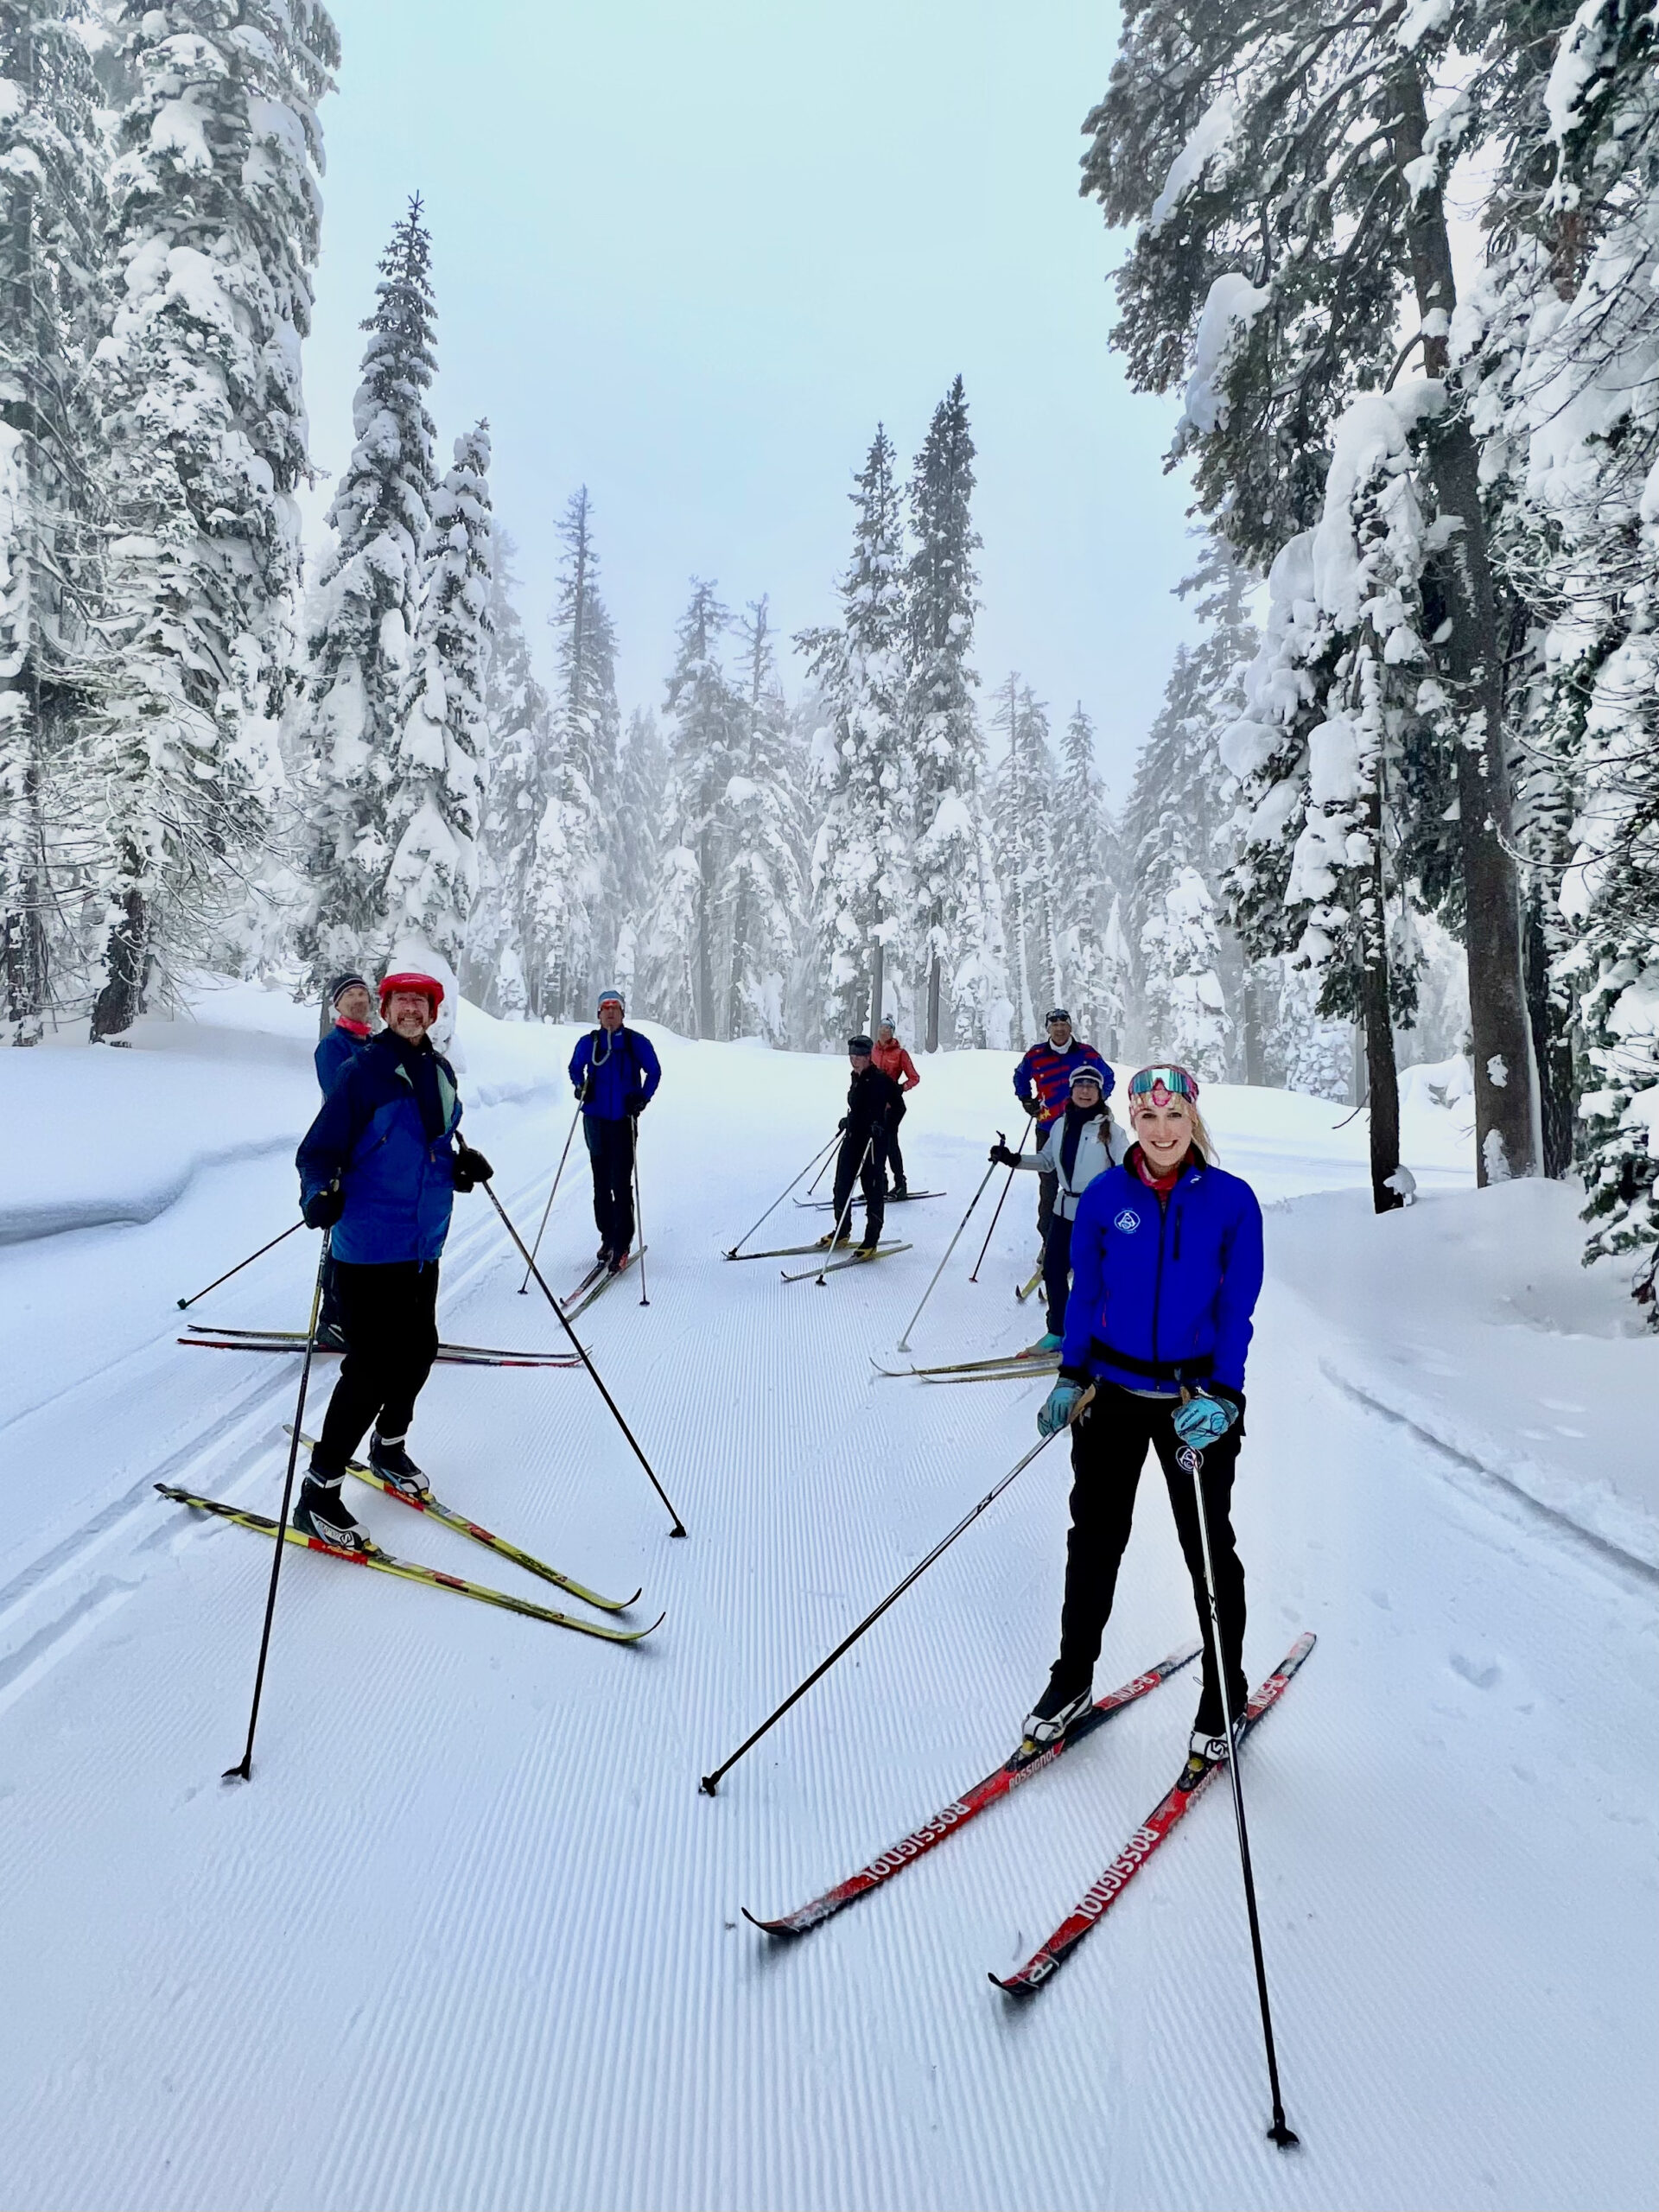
column 1399, row 263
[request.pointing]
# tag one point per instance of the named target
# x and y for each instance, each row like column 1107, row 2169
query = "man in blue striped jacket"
column 1042, row 1084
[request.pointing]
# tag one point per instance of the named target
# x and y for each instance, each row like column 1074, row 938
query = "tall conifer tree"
column 361, row 623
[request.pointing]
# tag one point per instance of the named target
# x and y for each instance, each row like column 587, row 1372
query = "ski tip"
column 780, row 1931
column 636, row 1635
column 1014, row 1986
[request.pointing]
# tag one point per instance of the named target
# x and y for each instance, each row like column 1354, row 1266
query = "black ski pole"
column 845, row 1215
column 523, row 1287
column 638, row 1213
column 781, row 1196
column 904, row 1341
column 243, row 1770
column 1018, row 1151
column 710, row 1782
column 818, row 1178
column 678, row 1529
column 1279, row 2132
column 240, row 1264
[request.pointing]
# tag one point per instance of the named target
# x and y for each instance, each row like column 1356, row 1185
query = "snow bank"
column 103, row 1135
column 1470, row 1317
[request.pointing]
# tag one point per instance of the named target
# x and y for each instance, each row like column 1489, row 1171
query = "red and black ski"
column 1099, row 1899
column 1020, row 1768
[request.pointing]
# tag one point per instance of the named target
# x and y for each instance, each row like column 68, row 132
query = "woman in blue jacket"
column 1167, row 1268
column 379, row 1168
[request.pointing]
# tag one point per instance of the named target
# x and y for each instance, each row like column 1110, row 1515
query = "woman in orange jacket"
column 890, row 1056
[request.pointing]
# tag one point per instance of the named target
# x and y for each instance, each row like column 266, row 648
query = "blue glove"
column 1203, row 1420
column 1057, row 1408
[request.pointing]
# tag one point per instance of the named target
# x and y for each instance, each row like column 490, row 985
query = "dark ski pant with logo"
column 1108, row 1448
column 390, row 1317
column 871, row 1174
column 1056, row 1271
column 610, row 1149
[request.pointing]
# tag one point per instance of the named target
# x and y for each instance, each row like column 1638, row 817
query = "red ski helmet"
column 410, row 979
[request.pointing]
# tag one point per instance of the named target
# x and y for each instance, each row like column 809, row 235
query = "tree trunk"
column 1506, row 1118
column 117, row 1005
column 933, row 1039
column 1552, row 1045
column 705, row 949
column 1255, row 1065
column 878, row 966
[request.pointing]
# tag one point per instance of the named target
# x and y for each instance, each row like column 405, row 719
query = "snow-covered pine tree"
column 636, row 833
column 436, row 798
column 1565, row 339
column 1289, row 184
column 517, row 718
column 361, row 620
column 216, row 215
column 52, row 220
column 955, row 952
column 861, row 863
column 1082, row 888
column 1336, row 691
column 1024, row 819
column 764, row 884
column 573, row 892
column 683, row 929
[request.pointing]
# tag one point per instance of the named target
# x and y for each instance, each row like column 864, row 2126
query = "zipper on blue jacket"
column 1158, row 1279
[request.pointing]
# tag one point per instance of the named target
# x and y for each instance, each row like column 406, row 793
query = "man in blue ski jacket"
column 1042, row 1084
column 379, row 1169
column 349, row 996
column 615, row 1074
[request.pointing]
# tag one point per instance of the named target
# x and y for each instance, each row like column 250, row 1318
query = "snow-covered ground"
column 473, row 1937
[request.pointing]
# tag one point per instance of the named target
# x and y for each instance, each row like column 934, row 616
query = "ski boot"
column 619, row 1259
column 1045, row 1345
column 835, row 1240
column 324, row 1514
column 1203, row 1752
column 900, row 1189
column 1060, row 1704
column 330, row 1336
column 396, row 1469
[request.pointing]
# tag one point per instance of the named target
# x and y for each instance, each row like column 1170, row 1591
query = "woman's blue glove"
column 1203, row 1420
column 1057, row 1408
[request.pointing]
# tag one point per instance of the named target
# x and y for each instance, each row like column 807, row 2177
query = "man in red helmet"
column 379, row 1168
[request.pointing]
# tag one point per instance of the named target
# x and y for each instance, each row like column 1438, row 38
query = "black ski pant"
column 871, row 1172
column 895, row 1158
column 1109, row 1447
column 1057, row 1272
column 610, row 1150
column 328, row 1313
column 389, row 1317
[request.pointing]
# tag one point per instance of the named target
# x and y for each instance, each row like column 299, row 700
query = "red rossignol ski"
column 1014, row 1771
column 1099, row 1899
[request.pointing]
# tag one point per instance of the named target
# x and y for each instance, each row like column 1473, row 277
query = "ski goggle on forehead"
column 1161, row 1084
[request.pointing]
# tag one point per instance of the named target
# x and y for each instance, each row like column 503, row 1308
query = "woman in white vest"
column 1083, row 1143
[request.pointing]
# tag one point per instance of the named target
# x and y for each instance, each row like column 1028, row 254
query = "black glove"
column 841, row 1123
column 1033, row 1106
column 470, row 1168
column 634, row 1104
column 323, row 1208
column 1003, row 1157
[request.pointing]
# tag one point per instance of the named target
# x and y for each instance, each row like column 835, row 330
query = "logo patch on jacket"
column 1128, row 1221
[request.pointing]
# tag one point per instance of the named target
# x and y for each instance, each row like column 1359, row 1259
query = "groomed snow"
column 473, row 1938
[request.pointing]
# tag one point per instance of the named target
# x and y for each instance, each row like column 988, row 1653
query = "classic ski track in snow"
column 474, row 1901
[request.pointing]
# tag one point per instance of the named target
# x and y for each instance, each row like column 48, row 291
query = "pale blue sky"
column 690, row 254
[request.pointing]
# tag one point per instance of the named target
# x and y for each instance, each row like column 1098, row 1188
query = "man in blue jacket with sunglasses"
column 615, row 1073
